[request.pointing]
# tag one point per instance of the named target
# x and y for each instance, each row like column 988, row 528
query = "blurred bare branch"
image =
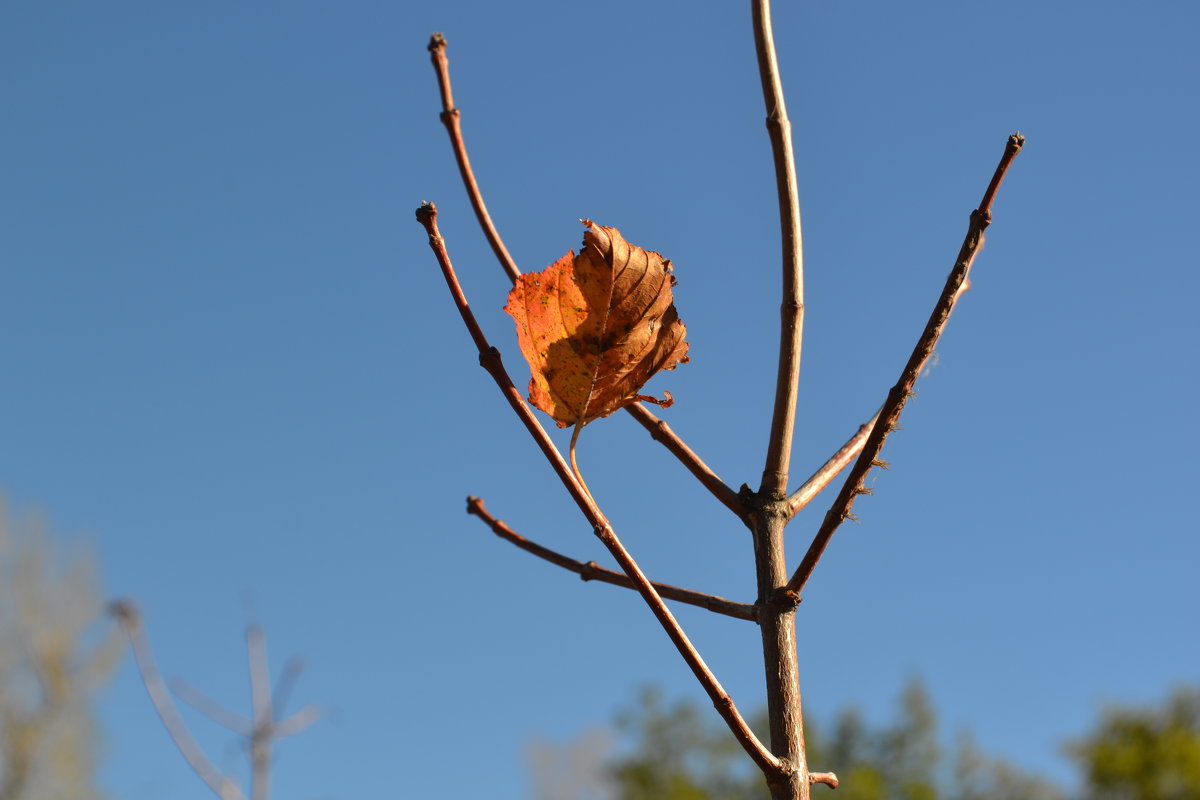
column 127, row 614
column 211, row 708
column 261, row 730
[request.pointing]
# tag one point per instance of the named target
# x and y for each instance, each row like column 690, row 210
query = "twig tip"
column 830, row 779
column 124, row 610
column 437, row 42
column 426, row 212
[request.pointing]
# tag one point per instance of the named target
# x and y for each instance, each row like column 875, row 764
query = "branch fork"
column 491, row 361
column 766, row 511
column 261, row 729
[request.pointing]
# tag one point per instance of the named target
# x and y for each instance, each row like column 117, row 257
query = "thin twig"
column 842, row 458
column 847, row 453
column 450, row 118
column 659, row 430
column 830, row 469
column 296, row 722
column 591, row 571
column 489, row 358
column 779, row 445
column 286, row 683
column 890, row 412
column 210, row 708
column 264, row 715
column 127, row 614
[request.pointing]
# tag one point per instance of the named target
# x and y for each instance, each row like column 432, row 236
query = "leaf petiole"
column 575, row 466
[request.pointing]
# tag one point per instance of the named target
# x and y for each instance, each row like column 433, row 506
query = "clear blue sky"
column 230, row 361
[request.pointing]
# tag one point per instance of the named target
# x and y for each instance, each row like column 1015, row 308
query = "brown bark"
column 767, row 511
column 777, row 625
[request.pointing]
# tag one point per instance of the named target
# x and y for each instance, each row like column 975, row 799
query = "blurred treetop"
column 51, row 661
column 679, row 751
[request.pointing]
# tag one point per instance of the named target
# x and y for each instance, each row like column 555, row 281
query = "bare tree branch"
column 830, row 469
column 779, row 446
column 848, row 452
column 658, row 429
column 127, row 614
column 890, row 412
column 211, row 708
column 261, row 730
column 777, row 621
column 264, row 716
column 591, row 571
column 766, row 511
column 297, row 722
column 450, row 118
column 286, row 683
column 489, row 358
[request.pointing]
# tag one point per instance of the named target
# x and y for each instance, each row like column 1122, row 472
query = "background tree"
column 675, row 752
column 54, row 656
column 575, row 770
column 261, row 729
column 980, row 777
column 594, row 327
column 1145, row 753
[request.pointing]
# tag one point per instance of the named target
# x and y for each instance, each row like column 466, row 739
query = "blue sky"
column 231, row 364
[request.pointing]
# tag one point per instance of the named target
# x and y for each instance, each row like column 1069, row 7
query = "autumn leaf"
column 596, row 326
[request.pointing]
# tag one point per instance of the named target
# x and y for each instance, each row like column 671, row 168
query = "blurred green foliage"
column 1146, row 753
column 681, row 751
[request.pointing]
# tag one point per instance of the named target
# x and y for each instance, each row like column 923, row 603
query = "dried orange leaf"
column 596, row 326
